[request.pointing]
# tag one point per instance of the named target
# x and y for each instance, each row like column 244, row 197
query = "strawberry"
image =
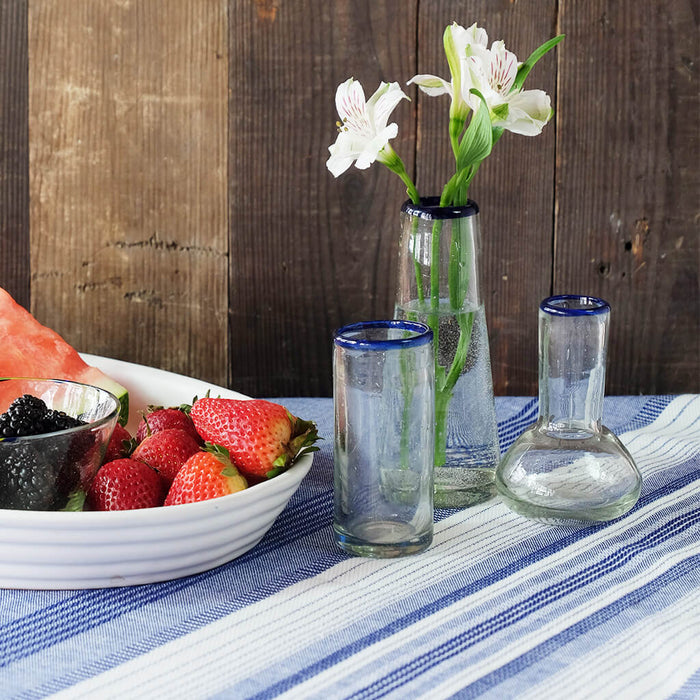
column 158, row 418
column 125, row 484
column 206, row 474
column 120, row 444
column 263, row 438
column 166, row 451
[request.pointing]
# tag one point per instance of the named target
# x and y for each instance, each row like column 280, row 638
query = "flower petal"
column 351, row 106
column 528, row 112
column 476, row 36
column 363, row 131
column 343, row 153
column 432, row 85
column 383, row 102
column 502, row 69
column 373, row 147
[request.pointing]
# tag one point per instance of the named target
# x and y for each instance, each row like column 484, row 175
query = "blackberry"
column 29, row 415
column 58, row 420
column 67, row 481
column 27, row 480
column 25, row 416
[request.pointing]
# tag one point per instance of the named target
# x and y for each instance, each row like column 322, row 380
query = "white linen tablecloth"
column 498, row 607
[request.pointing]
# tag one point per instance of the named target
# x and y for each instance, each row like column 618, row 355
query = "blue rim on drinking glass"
column 357, row 336
column 574, row 305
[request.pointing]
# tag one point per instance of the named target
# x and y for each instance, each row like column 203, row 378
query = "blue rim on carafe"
column 574, row 305
column 429, row 208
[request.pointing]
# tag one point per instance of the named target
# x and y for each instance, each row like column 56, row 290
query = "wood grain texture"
column 627, row 184
column 127, row 114
column 164, row 197
column 514, row 187
column 14, row 151
column 308, row 253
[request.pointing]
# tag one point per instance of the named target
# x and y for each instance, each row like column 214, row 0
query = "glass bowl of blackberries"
column 53, row 436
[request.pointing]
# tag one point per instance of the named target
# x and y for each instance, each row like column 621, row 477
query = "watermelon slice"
column 28, row 349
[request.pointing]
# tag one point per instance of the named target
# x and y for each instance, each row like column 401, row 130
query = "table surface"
column 498, row 606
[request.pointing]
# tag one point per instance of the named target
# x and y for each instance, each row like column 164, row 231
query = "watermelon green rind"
column 30, row 349
column 96, row 377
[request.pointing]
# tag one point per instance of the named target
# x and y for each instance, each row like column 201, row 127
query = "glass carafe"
column 438, row 284
column 568, row 465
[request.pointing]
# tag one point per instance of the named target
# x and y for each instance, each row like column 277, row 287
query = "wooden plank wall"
column 164, row 197
column 14, row 151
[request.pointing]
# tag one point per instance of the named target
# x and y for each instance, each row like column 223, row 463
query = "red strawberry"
column 206, row 474
column 120, row 444
column 262, row 437
column 124, row 484
column 158, row 418
column 166, row 451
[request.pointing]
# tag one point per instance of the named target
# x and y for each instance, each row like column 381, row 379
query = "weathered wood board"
column 164, row 197
column 128, row 154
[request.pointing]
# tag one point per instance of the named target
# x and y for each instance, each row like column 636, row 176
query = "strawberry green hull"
column 29, row 349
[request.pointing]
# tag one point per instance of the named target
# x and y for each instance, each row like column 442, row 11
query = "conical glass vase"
column 568, row 466
column 438, row 284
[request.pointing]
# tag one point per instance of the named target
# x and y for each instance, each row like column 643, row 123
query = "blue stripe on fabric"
column 86, row 610
column 618, row 417
column 690, row 689
column 522, row 609
column 649, row 412
column 123, row 655
column 510, row 616
column 566, row 636
column 510, row 429
column 57, row 629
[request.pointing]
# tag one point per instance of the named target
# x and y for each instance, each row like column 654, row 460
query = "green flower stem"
column 442, row 402
column 466, row 323
column 444, row 390
column 416, row 265
column 406, row 411
column 458, row 272
column 455, row 130
column 434, row 316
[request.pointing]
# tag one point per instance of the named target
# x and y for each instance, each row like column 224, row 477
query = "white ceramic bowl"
column 56, row 550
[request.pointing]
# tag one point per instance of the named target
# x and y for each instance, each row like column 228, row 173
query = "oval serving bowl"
column 63, row 550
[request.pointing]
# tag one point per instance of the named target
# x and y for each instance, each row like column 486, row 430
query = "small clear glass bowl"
column 41, row 472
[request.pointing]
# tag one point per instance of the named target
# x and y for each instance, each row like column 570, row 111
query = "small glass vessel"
column 568, row 465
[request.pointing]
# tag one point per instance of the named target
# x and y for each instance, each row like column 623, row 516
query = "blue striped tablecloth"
column 499, row 606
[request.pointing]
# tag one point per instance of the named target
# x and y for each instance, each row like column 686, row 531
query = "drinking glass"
column 384, row 438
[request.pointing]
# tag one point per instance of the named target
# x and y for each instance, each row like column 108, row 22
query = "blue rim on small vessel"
column 574, row 305
column 421, row 334
column 429, row 208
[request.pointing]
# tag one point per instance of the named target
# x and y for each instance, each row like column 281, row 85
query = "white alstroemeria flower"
column 363, row 130
column 493, row 73
column 459, row 43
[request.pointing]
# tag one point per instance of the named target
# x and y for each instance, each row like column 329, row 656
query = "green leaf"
column 478, row 140
column 535, row 56
column 217, row 450
column 76, row 501
column 501, row 111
